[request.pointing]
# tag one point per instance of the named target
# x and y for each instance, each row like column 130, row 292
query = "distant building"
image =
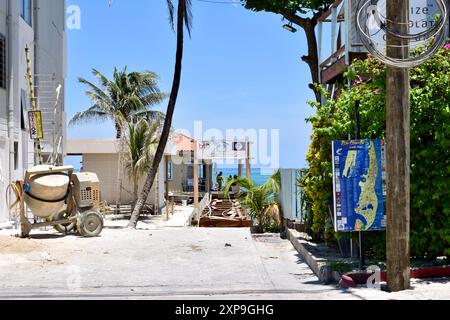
column 345, row 44
column 180, row 161
column 40, row 26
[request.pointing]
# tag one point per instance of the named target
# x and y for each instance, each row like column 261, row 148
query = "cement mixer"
column 63, row 199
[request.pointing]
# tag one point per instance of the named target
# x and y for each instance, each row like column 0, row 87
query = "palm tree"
column 260, row 201
column 184, row 19
column 127, row 94
column 141, row 140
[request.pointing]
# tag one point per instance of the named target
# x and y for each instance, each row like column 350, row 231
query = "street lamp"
column 289, row 27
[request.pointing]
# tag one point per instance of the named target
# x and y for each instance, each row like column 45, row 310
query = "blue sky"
column 241, row 69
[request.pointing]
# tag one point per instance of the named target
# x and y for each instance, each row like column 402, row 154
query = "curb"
column 319, row 266
column 353, row 279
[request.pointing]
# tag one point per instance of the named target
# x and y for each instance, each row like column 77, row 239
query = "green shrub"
column 430, row 148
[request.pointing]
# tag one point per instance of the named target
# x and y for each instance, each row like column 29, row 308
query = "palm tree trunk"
column 135, row 191
column 168, row 120
column 118, row 130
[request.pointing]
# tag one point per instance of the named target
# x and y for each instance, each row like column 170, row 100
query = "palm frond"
column 93, row 113
column 95, row 89
column 241, row 182
column 151, row 115
column 125, row 95
column 188, row 17
column 104, row 81
column 171, row 10
column 141, row 140
column 259, row 201
column 153, row 98
column 273, row 184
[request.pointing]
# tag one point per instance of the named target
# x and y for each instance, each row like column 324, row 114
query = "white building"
column 101, row 156
column 40, row 26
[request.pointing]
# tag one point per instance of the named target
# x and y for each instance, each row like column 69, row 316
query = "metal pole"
column 37, row 142
column 362, row 257
column 166, row 187
column 195, row 176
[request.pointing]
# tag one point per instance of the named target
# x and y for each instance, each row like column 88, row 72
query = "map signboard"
column 220, row 149
column 359, row 185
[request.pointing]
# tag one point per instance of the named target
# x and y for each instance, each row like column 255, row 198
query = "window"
column 16, row 155
column 2, row 62
column 23, row 110
column 169, row 170
column 26, row 10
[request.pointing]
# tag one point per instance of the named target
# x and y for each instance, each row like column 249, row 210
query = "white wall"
column 50, row 55
column 106, row 168
column 50, row 32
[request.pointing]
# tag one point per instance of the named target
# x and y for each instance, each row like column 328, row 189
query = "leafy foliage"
column 141, row 141
column 260, row 201
column 124, row 96
column 277, row 6
column 430, row 147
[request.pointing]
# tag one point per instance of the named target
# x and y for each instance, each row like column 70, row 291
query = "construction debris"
column 223, row 213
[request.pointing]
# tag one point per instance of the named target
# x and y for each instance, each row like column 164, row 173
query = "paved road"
column 175, row 263
column 158, row 262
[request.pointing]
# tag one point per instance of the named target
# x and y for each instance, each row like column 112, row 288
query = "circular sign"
column 418, row 39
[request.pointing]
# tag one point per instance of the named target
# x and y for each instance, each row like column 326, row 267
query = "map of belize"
column 359, row 188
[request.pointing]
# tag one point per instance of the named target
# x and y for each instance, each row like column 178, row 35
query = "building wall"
column 106, row 168
column 50, row 64
column 180, row 174
column 291, row 195
column 50, row 45
column 4, row 141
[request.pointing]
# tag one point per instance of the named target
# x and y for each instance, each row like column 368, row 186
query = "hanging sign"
column 35, row 125
column 220, row 149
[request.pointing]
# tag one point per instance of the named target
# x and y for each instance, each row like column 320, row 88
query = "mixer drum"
column 46, row 193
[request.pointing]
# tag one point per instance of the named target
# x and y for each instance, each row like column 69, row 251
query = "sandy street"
column 163, row 261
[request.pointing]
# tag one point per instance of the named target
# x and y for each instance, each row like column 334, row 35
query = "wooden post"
column 397, row 154
column 207, row 177
column 240, row 168
column 195, row 176
column 166, row 185
column 247, row 165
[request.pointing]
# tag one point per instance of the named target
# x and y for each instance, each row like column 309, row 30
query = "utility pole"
column 397, row 151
